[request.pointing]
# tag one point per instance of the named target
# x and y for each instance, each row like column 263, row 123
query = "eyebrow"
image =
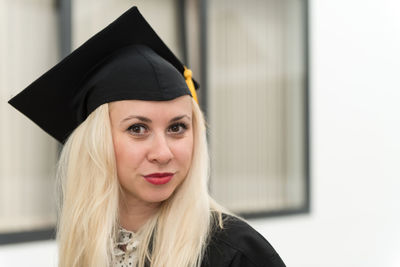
column 147, row 120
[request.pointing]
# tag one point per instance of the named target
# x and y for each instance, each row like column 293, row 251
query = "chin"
column 157, row 196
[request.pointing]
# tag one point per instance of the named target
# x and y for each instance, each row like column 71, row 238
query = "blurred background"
column 302, row 103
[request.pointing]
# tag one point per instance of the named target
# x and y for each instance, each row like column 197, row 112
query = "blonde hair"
column 176, row 236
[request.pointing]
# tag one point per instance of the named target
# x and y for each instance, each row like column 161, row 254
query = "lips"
column 159, row 178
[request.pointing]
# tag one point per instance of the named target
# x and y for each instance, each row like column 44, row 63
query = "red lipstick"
column 159, row 178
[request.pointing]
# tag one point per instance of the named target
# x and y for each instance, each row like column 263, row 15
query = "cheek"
column 184, row 152
column 118, row 150
column 126, row 157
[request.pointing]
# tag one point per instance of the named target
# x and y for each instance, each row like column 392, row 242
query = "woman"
column 134, row 166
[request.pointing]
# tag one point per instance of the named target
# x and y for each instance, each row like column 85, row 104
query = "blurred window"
column 256, row 69
column 28, row 47
column 257, row 95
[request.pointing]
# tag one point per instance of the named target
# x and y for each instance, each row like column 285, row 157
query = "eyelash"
column 131, row 129
column 179, row 124
column 182, row 125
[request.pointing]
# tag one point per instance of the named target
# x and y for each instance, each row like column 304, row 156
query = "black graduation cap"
column 126, row 60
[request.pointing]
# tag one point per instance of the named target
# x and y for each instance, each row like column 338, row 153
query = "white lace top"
column 125, row 249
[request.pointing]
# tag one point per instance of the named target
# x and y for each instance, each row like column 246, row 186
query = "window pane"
column 257, row 104
column 28, row 47
column 90, row 16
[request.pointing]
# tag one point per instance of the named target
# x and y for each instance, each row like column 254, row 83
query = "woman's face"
column 153, row 143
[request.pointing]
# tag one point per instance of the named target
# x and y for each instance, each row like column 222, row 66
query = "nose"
column 160, row 152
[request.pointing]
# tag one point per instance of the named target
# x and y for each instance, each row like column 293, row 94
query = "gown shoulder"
column 238, row 244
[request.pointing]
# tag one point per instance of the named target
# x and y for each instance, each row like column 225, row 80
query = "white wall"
column 34, row 254
column 355, row 109
column 355, row 128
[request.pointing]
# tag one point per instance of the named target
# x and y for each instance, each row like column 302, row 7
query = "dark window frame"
column 65, row 24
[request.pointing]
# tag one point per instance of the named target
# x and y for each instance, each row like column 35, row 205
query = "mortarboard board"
column 125, row 60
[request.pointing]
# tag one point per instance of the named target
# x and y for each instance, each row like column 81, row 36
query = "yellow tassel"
column 188, row 78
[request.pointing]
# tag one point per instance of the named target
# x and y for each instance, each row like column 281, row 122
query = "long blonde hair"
column 176, row 236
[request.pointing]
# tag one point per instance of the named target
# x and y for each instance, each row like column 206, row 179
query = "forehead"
column 181, row 105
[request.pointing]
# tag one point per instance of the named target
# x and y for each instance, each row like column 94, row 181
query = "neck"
column 133, row 214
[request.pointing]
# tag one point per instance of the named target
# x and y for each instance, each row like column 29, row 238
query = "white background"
column 355, row 126
column 355, row 114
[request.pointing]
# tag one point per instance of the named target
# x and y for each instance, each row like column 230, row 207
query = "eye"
column 177, row 128
column 138, row 129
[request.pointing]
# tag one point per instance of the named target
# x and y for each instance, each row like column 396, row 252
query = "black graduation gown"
column 239, row 245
